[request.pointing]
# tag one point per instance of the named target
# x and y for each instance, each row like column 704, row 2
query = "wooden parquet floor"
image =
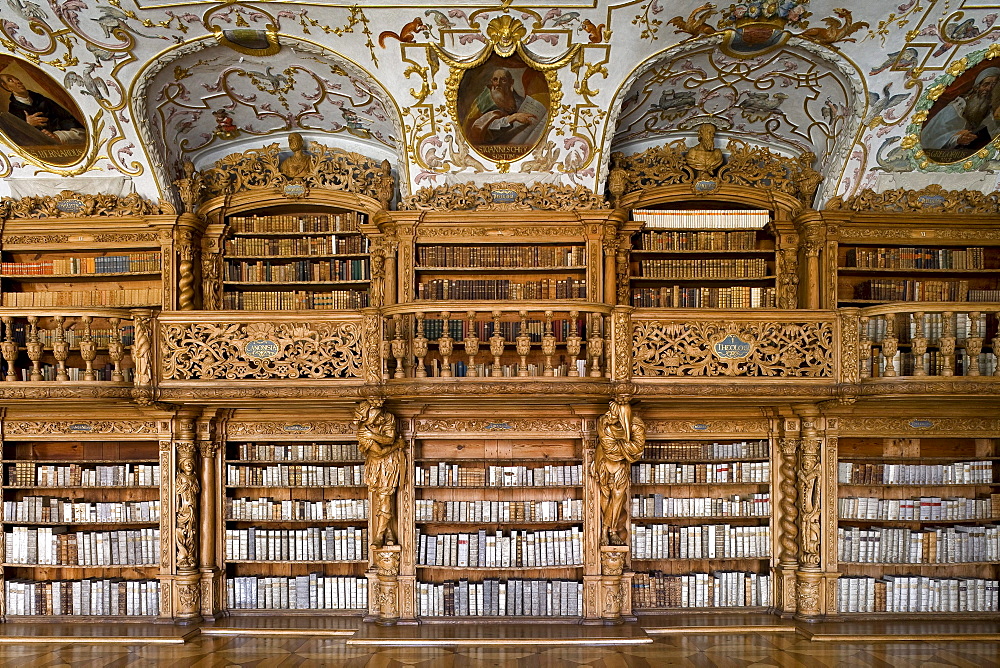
column 785, row 650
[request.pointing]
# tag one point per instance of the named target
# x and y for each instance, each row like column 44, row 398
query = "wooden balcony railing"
column 928, row 339
column 510, row 340
column 106, row 348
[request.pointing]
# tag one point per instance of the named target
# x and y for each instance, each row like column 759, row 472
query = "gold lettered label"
column 262, row 349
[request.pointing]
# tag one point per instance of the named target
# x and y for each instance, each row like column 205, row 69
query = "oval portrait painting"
column 37, row 116
column 966, row 117
column 503, row 107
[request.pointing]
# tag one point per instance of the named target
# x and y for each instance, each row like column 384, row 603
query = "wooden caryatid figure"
column 621, row 437
column 381, row 444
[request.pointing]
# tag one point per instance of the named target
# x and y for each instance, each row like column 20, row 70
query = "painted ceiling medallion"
column 502, row 98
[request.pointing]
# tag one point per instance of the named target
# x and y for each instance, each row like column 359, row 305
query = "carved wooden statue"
column 621, row 437
column 704, row 158
column 382, row 447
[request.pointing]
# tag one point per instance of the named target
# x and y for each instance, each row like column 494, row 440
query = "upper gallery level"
column 300, row 280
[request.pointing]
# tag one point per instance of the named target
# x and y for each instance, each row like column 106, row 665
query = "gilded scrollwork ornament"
column 504, row 197
column 69, row 204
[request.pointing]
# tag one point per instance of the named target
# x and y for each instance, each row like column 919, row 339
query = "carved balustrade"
column 471, row 341
column 929, row 339
column 761, row 343
column 292, row 352
column 105, row 347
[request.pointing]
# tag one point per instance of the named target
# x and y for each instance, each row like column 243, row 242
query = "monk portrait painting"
column 967, row 115
column 37, row 116
column 503, row 107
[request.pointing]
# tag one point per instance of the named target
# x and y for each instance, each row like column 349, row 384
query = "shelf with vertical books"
column 292, row 259
column 706, row 258
column 701, row 525
column 917, row 525
column 498, row 527
column 82, row 528
column 295, row 535
column 99, row 266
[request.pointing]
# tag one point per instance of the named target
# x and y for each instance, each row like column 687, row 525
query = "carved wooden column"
column 210, row 442
column 609, row 246
column 187, row 235
column 809, row 488
column 623, row 293
column 811, row 241
column 788, row 278
column 143, row 391
column 946, row 344
column 619, row 359
column 186, row 490
column 211, row 274
column 788, row 529
column 973, row 344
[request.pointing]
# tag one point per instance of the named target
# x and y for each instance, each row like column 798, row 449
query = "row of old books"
column 915, row 257
column 731, row 268
column 932, row 327
column 502, row 289
column 298, row 452
column 703, row 219
column 58, row 546
column 657, row 505
column 517, row 257
column 446, row 474
column 500, row 598
column 893, row 545
column 120, row 297
column 83, row 266
column 430, row 510
column 284, row 247
column 73, row 335
column 984, row 295
column 304, row 592
column 686, row 450
column 711, row 240
column 959, row 473
column 267, row 509
column 905, row 290
column 458, row 329
column 708, row 541
column 294, row 475
column 677, row 296
column 718, row 472
column 30, row 474
column 295, row 300
column 917, row 593
column 348, row 221
column 275, row 271
column 719, row 589
column 90, row 597
column 460, row 369
column 518, row 549
column 310, row 544
column 58, row 509
column 51, row 372
column 924, row 508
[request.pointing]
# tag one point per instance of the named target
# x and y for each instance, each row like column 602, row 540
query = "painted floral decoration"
column 786, row 12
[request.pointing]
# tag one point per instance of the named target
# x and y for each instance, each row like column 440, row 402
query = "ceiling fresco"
column 456, row 92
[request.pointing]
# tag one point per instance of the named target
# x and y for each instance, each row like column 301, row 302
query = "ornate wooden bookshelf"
column 701, row 525
column 703, row 258
column 84, row 521
column 295, row 508
column 916, row 531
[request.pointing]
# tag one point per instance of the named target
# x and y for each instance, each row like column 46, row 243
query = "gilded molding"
column 554, row 386
column 773, row 349
column 652, row 387
column 311, row 428
column 90, row 391
column 259, row 392
column 493, row 231
column 499, row 425
column 69, row 204
column 958, row 385
column 77, row 427
column 929, row 199
column 906, row 233
column 916, row 424
column 504, row 196
column 655, row 428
